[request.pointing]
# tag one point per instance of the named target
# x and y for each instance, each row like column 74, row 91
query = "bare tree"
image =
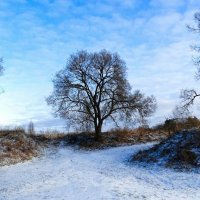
column 196, row 29
column 93, row 88
column 31, row 129
column 180, row 112
column 189, row 96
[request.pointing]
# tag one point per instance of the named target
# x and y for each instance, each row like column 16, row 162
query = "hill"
column 16, row 146
column 180, row 150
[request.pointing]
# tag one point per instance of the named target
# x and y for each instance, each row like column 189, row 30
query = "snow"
column 101, row 174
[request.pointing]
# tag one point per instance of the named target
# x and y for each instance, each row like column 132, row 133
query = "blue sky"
column 37, row 37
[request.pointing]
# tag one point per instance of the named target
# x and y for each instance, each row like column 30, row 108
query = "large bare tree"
column 189, row 96
column 93, row 87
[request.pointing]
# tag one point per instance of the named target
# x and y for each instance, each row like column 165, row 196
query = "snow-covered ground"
column 101, row 174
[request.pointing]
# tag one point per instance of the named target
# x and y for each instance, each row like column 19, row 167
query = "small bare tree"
column 189, row 96
column 93, row 88
column 31, row 129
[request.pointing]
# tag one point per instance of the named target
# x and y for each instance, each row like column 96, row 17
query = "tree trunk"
column 98, row 132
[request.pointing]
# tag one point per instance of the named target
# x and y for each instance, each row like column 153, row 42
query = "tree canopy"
column 93, row 87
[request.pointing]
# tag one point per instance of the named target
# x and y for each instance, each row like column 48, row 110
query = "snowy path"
column 69, row 174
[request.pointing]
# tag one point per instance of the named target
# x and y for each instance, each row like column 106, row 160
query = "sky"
column 38, row 36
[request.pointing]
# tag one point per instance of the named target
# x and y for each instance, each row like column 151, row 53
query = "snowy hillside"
column 101, row 174
column 181, row 150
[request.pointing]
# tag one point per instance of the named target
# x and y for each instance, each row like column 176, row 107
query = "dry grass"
column 115, row 137
column 49, row 138
column 16, row 146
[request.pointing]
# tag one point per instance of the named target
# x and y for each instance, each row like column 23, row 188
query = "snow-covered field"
column 101, row 174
